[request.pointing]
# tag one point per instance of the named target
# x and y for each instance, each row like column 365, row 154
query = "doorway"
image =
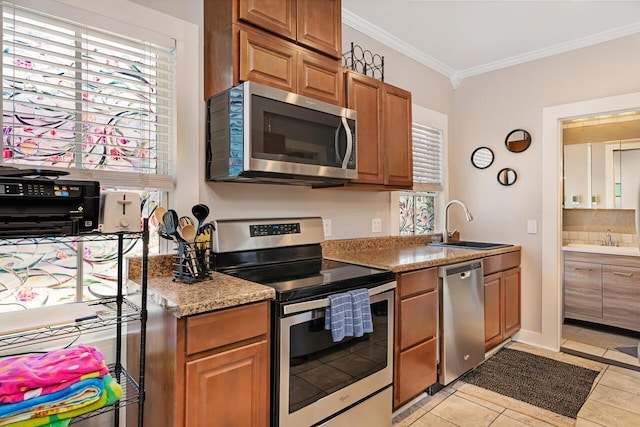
column 552, row 267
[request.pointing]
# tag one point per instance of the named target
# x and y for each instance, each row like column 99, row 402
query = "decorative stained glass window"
column 417, row 213
column 98, row 105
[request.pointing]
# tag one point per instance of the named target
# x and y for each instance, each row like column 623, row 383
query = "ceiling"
column 465, row 38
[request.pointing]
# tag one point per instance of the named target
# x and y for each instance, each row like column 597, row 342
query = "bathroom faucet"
column 609, row 241
column 446, row 234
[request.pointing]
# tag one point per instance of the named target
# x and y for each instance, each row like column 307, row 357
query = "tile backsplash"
column 589, row 226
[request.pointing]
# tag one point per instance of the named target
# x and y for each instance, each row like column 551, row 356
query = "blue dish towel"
column 361, row 312
column 339, row 316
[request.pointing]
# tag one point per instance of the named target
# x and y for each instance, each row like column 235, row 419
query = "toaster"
column 120, row 211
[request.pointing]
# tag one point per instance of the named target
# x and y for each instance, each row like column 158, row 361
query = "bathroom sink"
column 465, row 244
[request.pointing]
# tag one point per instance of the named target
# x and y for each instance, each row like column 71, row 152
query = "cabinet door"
column 582, row 289
column 320, row 26
column 320, row 77
column 277, row 16
column 268, row 60
column 493, row 325
column 396, row 131
column 621, row 294
column 229, row 388
column 511, row 308
column 416, row 371
column 364, row 94
column 418, row 321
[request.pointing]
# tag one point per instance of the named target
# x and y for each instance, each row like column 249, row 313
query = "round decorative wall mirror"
column 518, row 140
column 507, row 176
column 482, row 157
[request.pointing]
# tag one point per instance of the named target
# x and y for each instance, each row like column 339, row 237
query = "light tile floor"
column 614, row 401
column 599, row 343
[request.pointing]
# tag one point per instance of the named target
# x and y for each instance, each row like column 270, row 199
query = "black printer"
column 40, row 206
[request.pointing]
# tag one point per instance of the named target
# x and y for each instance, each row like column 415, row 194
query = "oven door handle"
column 324, row 302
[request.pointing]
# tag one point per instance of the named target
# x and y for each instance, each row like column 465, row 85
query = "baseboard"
column 534, row 338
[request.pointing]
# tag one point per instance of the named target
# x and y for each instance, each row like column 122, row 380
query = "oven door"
column 319, row 378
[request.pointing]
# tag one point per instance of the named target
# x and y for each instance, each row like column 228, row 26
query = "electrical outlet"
column 326, row 224
column 376, row 225
column 532, row 226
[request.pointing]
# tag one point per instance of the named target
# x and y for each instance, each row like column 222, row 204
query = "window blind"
column 78, row 98
column 427, row 157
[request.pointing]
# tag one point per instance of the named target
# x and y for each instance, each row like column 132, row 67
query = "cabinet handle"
column 582, row 269
column 618, row 273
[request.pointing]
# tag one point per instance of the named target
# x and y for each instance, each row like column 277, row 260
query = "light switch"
column 532, row 226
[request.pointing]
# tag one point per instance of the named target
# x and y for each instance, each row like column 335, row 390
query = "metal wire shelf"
column 89, row 237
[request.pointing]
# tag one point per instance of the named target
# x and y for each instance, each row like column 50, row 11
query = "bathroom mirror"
column 482, row 157
column 517, row 140
column 601, row 160
column 507, row 176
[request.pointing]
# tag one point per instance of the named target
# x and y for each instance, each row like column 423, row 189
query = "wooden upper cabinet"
column 364, row 94
column 320, row 78
column 268, row 60
column 320, row 25
column 277, row 16
column 397, row 136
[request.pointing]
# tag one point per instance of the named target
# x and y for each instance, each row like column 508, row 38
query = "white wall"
column 486, row 108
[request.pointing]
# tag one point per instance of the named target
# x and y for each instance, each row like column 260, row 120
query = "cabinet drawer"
column 417, row 370
column 418, row 281
column 495, row 263
column 219, row 328
column 418, row 318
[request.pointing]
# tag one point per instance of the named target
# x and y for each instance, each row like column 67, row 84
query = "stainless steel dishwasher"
column 461, row 338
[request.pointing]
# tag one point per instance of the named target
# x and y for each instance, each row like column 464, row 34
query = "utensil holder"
column 191, row 263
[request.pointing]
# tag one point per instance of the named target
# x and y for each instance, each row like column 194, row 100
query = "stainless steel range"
column 315, row 381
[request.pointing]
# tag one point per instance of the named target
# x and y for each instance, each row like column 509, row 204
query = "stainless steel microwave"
column 257, row 133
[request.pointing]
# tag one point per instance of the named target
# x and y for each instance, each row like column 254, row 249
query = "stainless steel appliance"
column 257, row 133
column 461, row 336
column 315, row 381
column 47, row 207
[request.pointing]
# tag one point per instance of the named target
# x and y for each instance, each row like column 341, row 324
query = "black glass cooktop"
column 305, row 279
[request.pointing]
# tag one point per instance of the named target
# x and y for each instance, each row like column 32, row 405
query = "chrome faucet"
column 609, row 241
column 446, row 235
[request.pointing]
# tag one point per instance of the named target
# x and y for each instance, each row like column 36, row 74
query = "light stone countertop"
column 599, row 249
column 415, row 257
column 223, row 291
column 183, row 299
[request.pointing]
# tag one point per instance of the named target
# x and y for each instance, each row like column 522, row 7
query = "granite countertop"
column 415, row 257
column 223, row 291
column 183, row 299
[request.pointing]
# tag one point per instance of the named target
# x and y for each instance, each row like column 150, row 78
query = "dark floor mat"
column 549, row 384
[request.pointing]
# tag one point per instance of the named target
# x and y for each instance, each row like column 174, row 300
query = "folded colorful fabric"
column 76, row 395
column 112, row 391
column 29, row 376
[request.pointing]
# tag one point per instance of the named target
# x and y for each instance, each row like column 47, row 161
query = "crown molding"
column 456, row 76
column 377, row 33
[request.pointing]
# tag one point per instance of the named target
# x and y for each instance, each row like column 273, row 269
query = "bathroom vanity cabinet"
column 602, row 288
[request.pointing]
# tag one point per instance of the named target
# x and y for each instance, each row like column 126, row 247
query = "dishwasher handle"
column 464, row 270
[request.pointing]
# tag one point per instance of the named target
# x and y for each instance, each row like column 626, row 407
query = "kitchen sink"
column 469, row 245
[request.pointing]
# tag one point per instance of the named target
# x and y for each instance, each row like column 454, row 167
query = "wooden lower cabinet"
column 209, row 369
column 582, row 289
column 415, row 342
column 228, row 387
column 502, row 300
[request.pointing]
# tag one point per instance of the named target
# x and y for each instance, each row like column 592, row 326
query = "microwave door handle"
column 347, row 154
column 337, row 143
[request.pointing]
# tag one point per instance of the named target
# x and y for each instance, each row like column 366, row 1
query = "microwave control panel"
column 274, row 229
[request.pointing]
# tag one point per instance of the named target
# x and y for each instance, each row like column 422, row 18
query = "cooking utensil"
column 158, row 213
column 170, row 221
column 200, row 212
column 188, row 232
column 185, row 220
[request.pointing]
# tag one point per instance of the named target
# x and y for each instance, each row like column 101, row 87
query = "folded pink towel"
column 28, row 376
